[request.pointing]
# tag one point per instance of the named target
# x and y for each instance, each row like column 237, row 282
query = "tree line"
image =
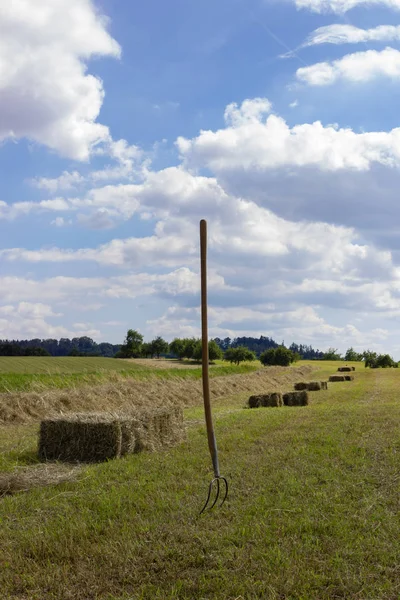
column 234, row 350
column 191, row 349
column 79, row 346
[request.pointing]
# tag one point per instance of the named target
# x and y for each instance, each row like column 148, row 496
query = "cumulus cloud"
column 30, row 320
column 66, row 181
column 288, row 244
column 45, row 46
column 272, row 144
column 359, row 67
column 342, row 6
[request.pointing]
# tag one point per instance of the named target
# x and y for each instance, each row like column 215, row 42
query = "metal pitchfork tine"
column 212, row 443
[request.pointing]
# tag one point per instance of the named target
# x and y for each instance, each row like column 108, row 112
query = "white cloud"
column 27, row 320
column 272, row 144
column 357, row 68
column 66, row 181
column 60, row 222
column 348, row 34
column 294, row 104
column 342, row 6
column 45, row 46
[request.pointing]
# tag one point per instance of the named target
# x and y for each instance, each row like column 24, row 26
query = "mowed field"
column 37, row 372
column 313, row 510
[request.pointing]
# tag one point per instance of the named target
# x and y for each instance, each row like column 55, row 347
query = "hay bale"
column 302, row 385
column 254, row 402
column 324, row 385
column 274, row 399
column 353, row 368
column 349, row 378
column 295, row 398
column 345, row 369
column 96, row 437
column 336, row 378
column 266, row 400
column 92, row 437
column 160, row 428
column 314, row 386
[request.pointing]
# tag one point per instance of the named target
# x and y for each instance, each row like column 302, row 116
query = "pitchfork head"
column 219, row 483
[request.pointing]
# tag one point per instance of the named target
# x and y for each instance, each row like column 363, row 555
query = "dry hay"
column 311, row 386
column 337, row 378
column 349, row 378
column 300, row 386
column 125, row 395
column 266, row 400
column 314, row 386
column 345, row 369
column 82, row 438
column 97, row 437
column 295, row 399
column 26, row 478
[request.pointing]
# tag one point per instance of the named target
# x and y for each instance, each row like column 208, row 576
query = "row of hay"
column 23, row 479
column 334, row 378
column 278, row 399
column 346, row 369
column 128, row 395
column 95, row 437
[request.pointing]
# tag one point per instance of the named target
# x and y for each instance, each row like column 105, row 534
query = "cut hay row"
column 129, row 394
column 97, row 437
column 23, row 479
column 346, row 369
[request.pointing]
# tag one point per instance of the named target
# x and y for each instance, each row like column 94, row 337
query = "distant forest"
column 64, row 347
column 85, row 346
column 259, row 345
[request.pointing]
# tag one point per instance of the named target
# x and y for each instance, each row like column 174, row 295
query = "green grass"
column 32, row 373
column 312, row 512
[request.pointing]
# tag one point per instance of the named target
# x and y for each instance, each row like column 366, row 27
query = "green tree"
column 352, row 355
column 239, row 354
column 214, row 351
column 131, row 348
column 279, row 356
column 189, row 344
column 159, row 346
column 146, row 350
column 177, row 347
column 332, row 354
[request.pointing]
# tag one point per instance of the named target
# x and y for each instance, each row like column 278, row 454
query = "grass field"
column 313, row 511
column 36, row 372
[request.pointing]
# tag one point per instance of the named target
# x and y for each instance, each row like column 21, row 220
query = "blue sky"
column 123, row 124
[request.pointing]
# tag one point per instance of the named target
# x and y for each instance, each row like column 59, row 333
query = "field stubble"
column 312, row 513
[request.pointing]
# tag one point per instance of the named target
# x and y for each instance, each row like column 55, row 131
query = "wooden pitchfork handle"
column 212, row 443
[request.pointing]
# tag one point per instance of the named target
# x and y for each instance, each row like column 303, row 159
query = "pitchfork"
column 212, row 443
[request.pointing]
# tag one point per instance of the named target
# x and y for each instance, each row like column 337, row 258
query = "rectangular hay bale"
column 314, row 386
column 296, row 398
column 336, row 378
column 302, row 385
column 324, row 385
column 80, row 438
column 345, row 369
column 266, row 400
column 349, row 378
